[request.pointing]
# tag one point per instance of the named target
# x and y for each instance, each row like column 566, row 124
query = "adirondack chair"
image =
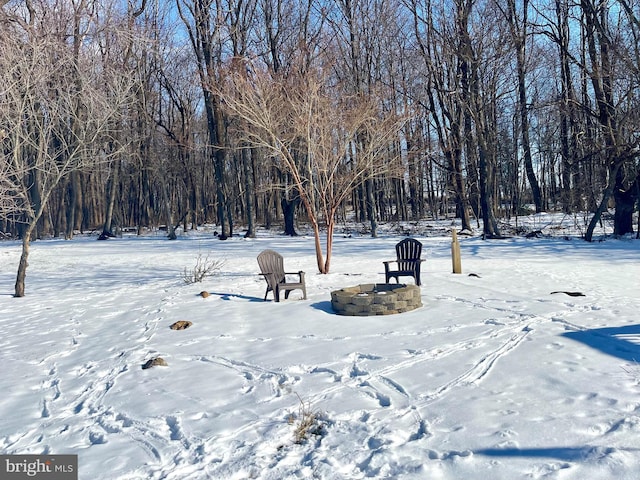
column 408, row 252
column 272, row 267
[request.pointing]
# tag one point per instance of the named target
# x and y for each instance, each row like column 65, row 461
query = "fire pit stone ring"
column 376, row 299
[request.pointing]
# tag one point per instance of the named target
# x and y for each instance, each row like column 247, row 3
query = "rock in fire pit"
column 376, row 299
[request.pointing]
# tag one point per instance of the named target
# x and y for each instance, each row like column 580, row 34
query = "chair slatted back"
column 271, row 261
column 408, row 252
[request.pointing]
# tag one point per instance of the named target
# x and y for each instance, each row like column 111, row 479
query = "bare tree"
column 616, row 147
column 8, row 200
column 518, row 27
column 57, row 121
column 204, row 21
column 312, row 133
column 447, row 71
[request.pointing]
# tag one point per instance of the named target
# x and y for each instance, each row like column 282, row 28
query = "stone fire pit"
column 376, row 299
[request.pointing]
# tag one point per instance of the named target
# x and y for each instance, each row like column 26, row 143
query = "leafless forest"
column 136, row 114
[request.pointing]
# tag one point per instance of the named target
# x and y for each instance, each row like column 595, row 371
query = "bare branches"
column 328, row 141
column 56, row 120
column 139, row 11
column 318, row 135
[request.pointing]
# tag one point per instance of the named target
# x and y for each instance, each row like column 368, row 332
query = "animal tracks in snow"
column 406, row 395
column 380, row 383
column 378, row 378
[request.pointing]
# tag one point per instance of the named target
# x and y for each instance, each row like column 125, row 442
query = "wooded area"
column 260, row 112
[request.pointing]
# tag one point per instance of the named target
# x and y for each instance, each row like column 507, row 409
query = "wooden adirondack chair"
column 408, row 252
column 272, row 267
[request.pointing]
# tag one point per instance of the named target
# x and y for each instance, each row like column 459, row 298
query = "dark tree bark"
column 249, row 191
column 625, row 200
column 447, row 99
column 479, row 102
column 289, row 212
column 107, row 228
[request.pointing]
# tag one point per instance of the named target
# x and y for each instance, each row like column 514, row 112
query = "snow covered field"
column 494, row 377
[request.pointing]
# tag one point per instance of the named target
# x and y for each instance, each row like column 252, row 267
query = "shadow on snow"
column 566, row 454
column 621, row 342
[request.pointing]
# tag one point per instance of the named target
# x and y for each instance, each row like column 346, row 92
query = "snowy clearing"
column 494, row 377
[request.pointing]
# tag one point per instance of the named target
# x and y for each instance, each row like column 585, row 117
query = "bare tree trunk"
column 288, row 212
column 371, row 207
column 220, row 161
column 318, row 246
column 625, row 198
column 24, row 263
column 597, row 33
column 602, row 206
column 203, row 32
column 477, row 103
column 249, row 191
column 74, row 209
column 567, row 127
column 519, row 36
column 490, row 226
column 107, row 229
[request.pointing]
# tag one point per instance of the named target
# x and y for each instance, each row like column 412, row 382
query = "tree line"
column 131, row 114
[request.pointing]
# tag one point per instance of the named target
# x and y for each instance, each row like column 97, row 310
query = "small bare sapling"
column 204, row 267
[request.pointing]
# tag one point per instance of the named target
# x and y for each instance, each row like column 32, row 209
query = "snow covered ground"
column 494, row 377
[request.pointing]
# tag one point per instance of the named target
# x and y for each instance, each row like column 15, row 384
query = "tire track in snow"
column 516, row 330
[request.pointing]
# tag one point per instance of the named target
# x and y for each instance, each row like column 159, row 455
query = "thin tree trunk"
column 371, row 207
column 24, row 263
column 331, row 222
column 519, row 35
column 602, row 206
column 107, row 229
column 247, row 161
column 318, row 247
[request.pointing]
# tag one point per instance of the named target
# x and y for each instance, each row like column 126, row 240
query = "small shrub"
column 204, row 267
column 308, row 422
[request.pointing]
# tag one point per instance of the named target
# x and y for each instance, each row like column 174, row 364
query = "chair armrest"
column 300, row 275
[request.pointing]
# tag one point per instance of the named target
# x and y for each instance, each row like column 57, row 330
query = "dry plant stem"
column 308, row 422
